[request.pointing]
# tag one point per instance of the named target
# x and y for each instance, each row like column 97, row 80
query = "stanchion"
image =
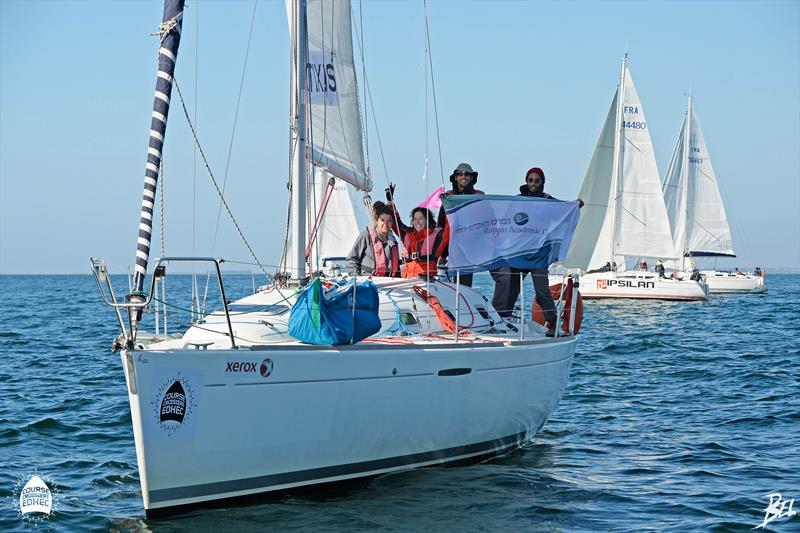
column 458, row 299
column 522, row 305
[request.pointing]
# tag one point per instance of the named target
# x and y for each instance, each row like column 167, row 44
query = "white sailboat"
column 697, row 215
column 235, row 406
column 624, row 214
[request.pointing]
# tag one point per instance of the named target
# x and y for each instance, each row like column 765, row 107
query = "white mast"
column 687, row 143
column 297, row 261
column 616, row 171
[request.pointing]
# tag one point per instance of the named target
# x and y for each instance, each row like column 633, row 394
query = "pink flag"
column 433, row 201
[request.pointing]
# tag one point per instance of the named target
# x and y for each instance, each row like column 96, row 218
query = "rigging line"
column 427, row 113
column 194, row 155
column 292, row 144
column 365, row 120
column 374, row 116
column 433, row 92
column 311, row 184
column 230, row 144
column 214, row 181
column 163, row 239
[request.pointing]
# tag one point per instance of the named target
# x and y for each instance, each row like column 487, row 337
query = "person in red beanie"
column 507, row 281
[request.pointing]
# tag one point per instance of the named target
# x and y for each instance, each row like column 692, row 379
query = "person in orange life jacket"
column 423, row 241
column 463, row 179
column 507, row 281
column 375, row 252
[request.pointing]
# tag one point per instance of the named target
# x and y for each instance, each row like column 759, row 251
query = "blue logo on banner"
column 520, row 219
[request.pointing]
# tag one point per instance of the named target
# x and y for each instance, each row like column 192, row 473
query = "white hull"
column 639, row 285
column 332, row 413
column 727, row 282
column 276, row 414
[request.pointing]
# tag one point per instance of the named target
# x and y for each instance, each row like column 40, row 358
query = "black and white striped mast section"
column 170, row 35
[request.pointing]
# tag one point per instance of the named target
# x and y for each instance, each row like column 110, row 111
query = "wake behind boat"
column 697, row 215
column 624, row 216
column 240, row 404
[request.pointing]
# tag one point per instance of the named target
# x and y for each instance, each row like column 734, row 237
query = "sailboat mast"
column 170, row 34
column 687, row 143
column 616, row 171
column 299, row 142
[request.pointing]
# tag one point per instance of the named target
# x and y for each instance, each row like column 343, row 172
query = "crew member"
column 375, row 252
column 507, row 281
column 463, row 179
column 660, row 269
column 423, row 240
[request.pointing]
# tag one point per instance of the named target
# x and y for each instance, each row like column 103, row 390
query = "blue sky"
column 518, row 84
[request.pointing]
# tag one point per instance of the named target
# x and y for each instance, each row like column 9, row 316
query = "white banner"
column 491, row 231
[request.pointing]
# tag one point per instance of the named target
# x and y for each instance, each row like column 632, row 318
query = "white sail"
column 624, row 212
column 642, row 227
column 335, row 130
column 692, row 196
column 675, row 194
column 338, row 228
column 591, row 243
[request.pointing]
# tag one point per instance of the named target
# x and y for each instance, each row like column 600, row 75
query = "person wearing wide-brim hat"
column 463, row 179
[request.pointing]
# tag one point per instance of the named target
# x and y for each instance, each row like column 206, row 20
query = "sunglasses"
column 531, row 180
column 462, row 173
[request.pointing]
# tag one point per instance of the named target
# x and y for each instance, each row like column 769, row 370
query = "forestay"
column 591, row 244
column 696, row 213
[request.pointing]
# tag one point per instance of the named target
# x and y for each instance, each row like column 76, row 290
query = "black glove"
column 390, row 192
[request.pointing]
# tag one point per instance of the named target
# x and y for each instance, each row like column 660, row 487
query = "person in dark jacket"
column 375, row 252
column 507, row 281
column 463, row 180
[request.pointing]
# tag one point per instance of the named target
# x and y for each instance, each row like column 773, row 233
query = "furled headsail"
column 170, row 35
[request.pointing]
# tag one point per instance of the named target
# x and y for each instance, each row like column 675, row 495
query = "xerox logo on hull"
column 264, row 369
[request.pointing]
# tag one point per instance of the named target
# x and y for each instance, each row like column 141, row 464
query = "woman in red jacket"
column 423, row 240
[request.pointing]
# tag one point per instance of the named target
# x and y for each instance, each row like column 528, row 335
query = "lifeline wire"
column 214, row 181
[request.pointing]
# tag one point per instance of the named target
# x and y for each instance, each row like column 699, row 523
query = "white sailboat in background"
column 235, row 406
column 624, row 215
column 697, row 215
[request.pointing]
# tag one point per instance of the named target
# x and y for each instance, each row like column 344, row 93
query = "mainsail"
column 624, row 213
column 696, row 213
column 335, row 147
column 335, row 130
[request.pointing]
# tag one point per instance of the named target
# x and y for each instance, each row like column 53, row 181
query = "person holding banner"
column 463, row 179
column 375, row 252
column 508, row 281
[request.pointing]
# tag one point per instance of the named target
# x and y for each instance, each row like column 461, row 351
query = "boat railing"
column 136, row 302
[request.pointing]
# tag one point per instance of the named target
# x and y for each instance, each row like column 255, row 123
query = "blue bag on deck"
column 325, row 316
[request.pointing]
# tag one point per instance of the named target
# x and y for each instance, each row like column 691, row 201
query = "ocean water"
column 677, row 417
